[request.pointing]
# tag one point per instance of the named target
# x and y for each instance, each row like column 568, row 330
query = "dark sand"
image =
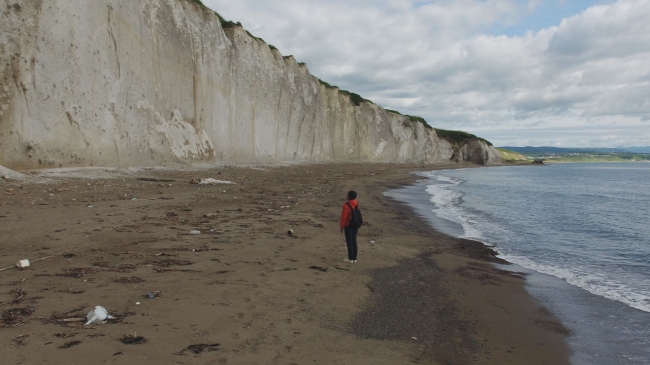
column 244, row 291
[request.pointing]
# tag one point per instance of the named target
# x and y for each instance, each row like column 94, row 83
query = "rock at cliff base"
column 8, row 174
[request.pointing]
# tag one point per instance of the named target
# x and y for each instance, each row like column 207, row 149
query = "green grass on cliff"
column 419, row 120
column 355, row 98
column 225, row 24
column 458, row 137
column 412, row 118
column 511, row 156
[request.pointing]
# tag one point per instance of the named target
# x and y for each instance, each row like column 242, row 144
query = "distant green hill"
column 645, row 149
column 580, row 154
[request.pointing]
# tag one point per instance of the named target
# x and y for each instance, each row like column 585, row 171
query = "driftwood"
column 155, row 180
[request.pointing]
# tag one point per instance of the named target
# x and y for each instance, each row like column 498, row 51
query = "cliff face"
column 149, row 82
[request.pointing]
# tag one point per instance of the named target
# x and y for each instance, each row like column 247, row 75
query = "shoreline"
column 270, row 297
column 513, row 325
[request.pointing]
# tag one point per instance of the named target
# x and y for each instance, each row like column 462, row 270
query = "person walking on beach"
column 350, row 222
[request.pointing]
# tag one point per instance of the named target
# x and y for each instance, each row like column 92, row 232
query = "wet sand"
column 244, row 291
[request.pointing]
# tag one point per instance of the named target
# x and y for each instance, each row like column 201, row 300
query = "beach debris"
column 97, row 315
column 154, row 294
column 321, row 269
column 370, row 288
column 137, row 303
column 209, row 181
column 199, row 349
column 22, row 264
column 285, row 269
column 78, row 272
column 25, row 263
column 155, row 180
column 290, row 232
column 129, row 280
column 168, row 262
column 195, row 232
column 73, row 291
column 16, row 317
column 133, row 339
column 67, row 345
column 125, row 268
column 74, row 315
column 19, row 340
column 20, row 295
column 372, row 242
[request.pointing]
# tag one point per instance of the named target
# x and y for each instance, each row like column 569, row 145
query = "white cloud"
column 586, row 77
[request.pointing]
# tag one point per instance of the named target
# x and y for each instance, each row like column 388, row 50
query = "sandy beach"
column 244, row 290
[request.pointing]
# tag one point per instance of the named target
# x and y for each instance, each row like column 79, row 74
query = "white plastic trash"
column 22, row 263
column 97, row 315
column 195, row 232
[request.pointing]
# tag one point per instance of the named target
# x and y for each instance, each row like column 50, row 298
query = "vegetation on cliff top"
column 456, row 137
column 510, row 156
column 412, row 118
column 355, row 98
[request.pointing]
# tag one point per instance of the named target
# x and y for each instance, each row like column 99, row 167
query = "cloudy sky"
column 568, row 73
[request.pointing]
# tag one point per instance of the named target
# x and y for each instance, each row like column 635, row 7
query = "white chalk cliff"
column 151, row 82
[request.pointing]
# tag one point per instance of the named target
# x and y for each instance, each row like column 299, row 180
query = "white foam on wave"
column 447, row 203
column 443, row 197
column 594, row 283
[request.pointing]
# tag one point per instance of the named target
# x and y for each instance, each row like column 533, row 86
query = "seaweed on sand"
column 16, row 317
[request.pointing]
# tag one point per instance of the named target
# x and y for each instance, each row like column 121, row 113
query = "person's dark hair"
column 352, row 195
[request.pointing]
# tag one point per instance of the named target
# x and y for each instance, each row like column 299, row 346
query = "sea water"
column 581, row 230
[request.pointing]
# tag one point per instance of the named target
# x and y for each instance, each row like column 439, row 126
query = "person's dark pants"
column 351, row 240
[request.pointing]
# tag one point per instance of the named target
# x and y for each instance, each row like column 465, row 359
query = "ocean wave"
column 447, row 203
column 594, row 283
column 479, row 226
column 442, row 197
